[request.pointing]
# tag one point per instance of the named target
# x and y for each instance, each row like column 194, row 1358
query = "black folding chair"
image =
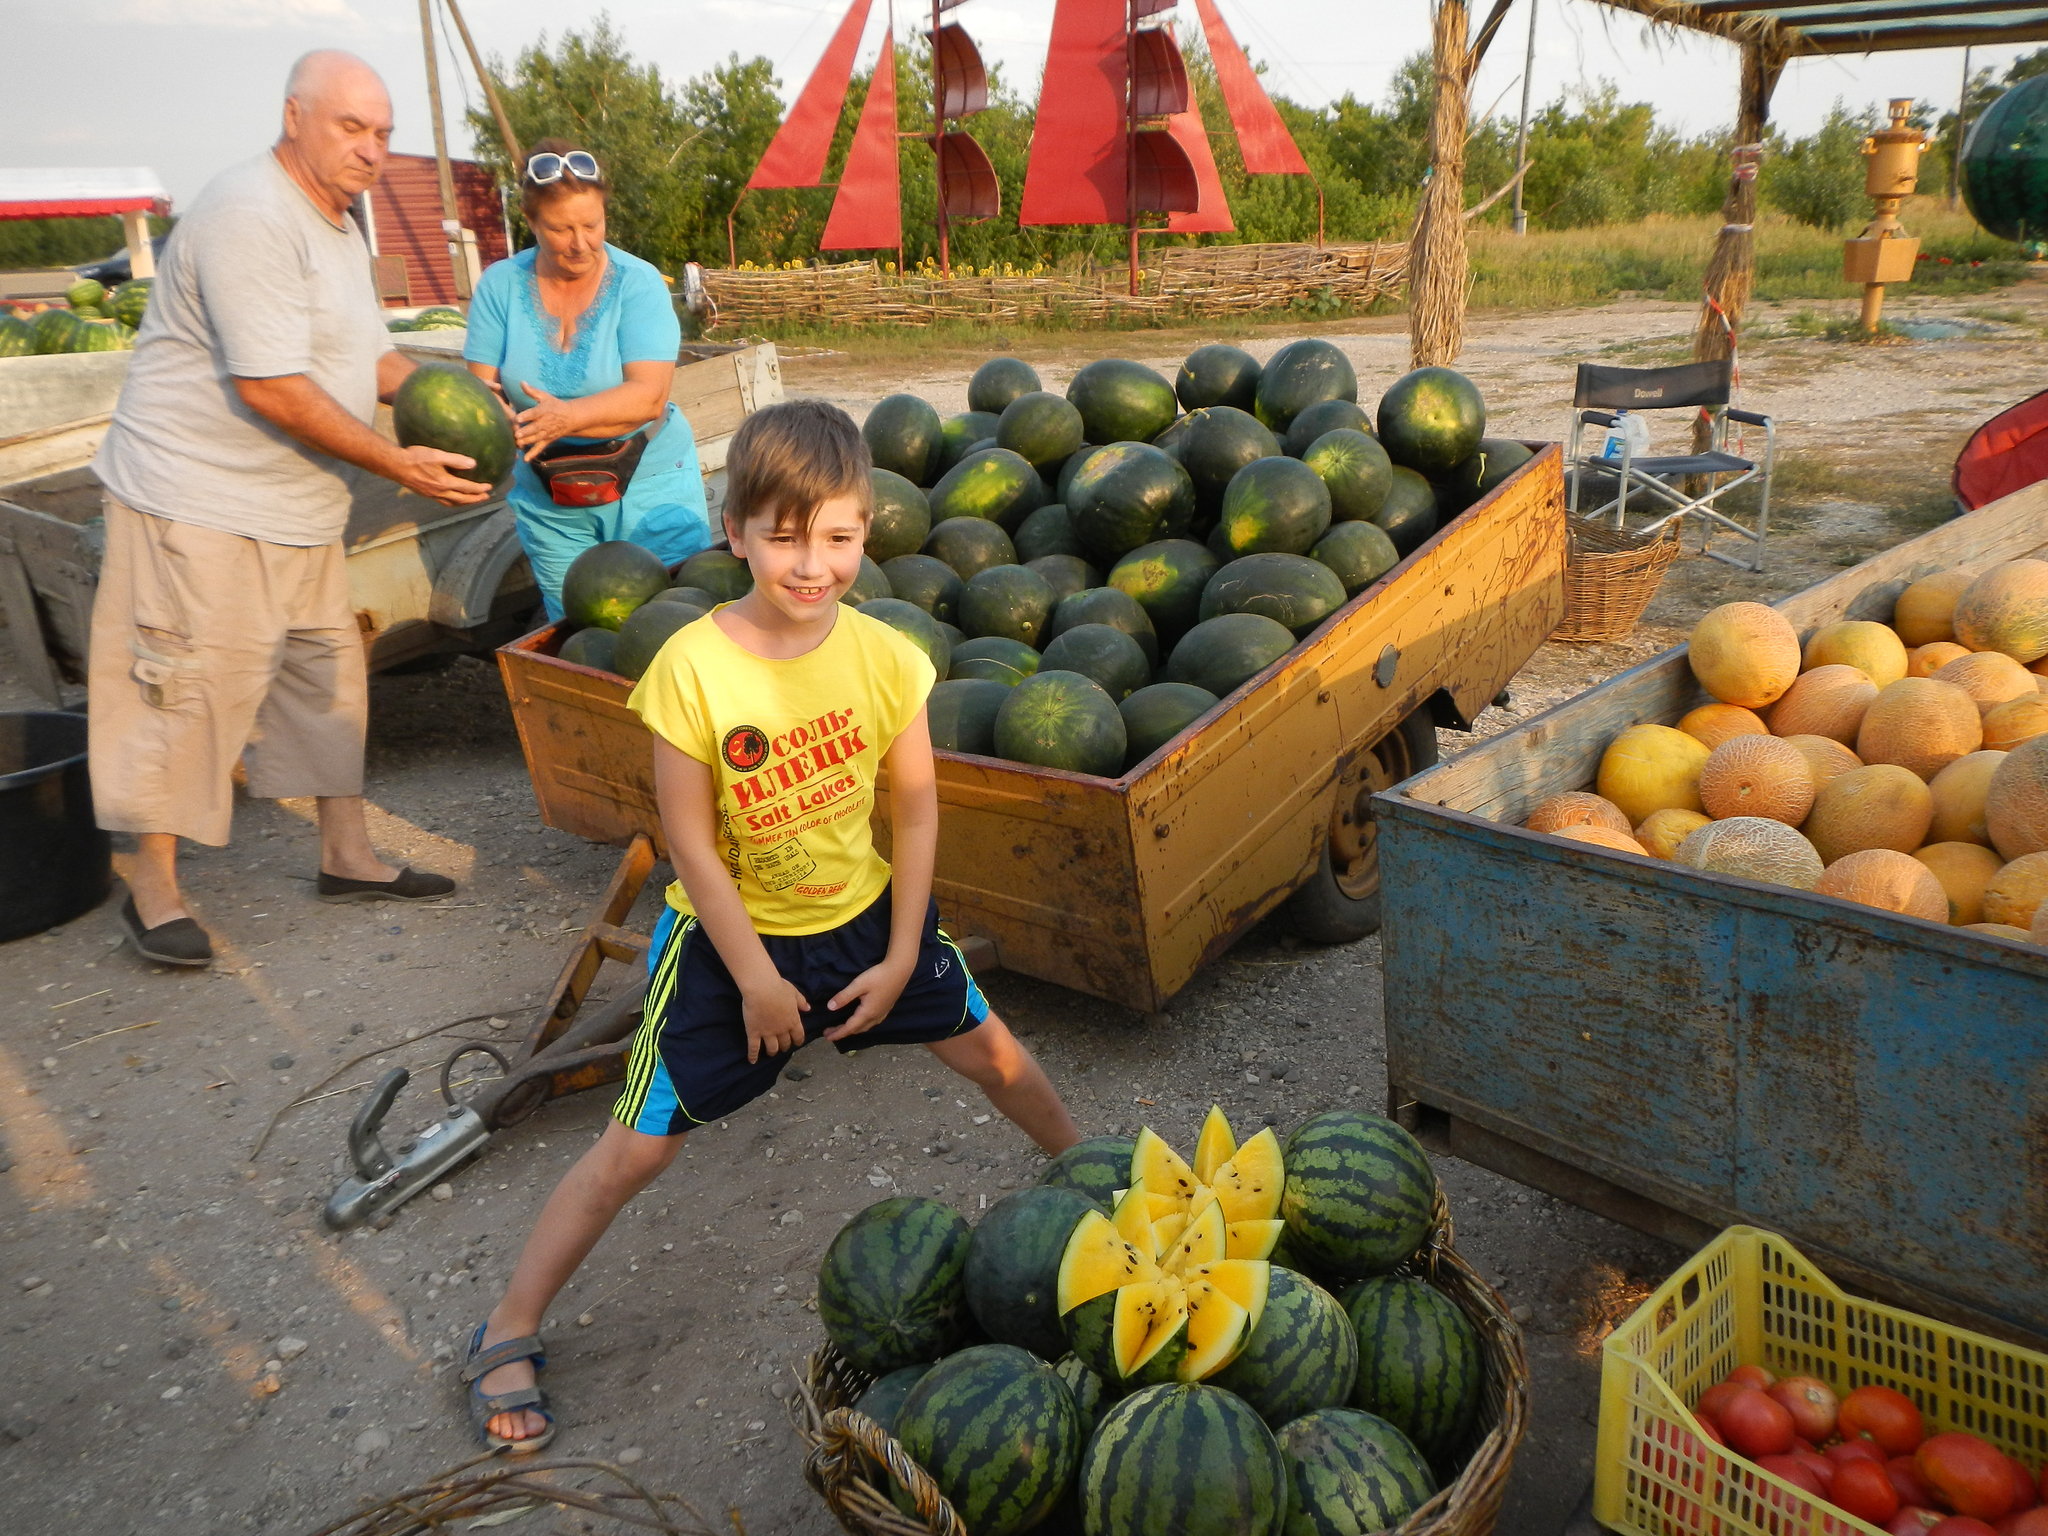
column 1602, row 391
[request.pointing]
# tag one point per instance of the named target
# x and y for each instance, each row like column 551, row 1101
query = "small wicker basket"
column 1610, row 575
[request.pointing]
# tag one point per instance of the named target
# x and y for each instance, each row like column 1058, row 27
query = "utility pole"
column 1522, row 128
column 490, row 88
column 1131, row 136
column 451, row 217
column 939, row 145
column 1955, row 155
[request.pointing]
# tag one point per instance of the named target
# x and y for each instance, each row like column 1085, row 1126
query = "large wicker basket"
column 1610, row 575
column 847, row 1450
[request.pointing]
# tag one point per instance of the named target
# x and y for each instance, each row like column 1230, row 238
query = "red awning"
column 80, row 194
column 867, row 213
column 795, row 157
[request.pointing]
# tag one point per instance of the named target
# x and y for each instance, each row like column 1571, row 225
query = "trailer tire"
column 1341, row 906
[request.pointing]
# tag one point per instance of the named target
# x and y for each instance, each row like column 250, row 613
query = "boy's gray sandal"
column 483, row 1406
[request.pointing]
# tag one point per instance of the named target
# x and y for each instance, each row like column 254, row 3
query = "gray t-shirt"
column 256, row 282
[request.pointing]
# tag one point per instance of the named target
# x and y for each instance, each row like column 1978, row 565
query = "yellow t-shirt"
column 793, row 747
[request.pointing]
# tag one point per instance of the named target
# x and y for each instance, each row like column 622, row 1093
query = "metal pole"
column 1522, row 128
column 1955, row 158
column 490, row 89
column 939, row 145
column 1131, row 139
column 451, row 219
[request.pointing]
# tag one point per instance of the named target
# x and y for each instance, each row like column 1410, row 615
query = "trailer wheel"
column 1341, row 901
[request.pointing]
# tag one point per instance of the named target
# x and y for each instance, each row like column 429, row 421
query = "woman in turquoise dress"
column 582, row 338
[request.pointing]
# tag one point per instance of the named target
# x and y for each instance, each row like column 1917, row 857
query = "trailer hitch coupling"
column 382, row 1183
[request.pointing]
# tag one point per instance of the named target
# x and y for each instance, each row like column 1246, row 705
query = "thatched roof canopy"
column 1852, row 26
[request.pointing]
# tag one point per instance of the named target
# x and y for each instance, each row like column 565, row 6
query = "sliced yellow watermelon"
column 1252, row 1239
column 1157, row 1167
column 1217, row 1331
column 1249, row 1185
column 1133, row 1218
column 1202, row 1242
column 1151, row 1328
column 1098, row 1260
column 1244, row 1281
column 1166, row 1232
column 1215, row 1145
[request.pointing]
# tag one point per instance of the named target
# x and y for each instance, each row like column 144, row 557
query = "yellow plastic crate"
column 1751, row 1298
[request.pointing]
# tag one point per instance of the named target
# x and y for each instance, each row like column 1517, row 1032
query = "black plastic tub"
column 54, row 862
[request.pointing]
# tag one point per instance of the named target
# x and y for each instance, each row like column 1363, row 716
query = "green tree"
column 1819, row 180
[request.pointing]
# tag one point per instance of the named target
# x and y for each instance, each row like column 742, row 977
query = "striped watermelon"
column 1090, row 1396
column 1349, row 1472
column 1182, row 1461
column 1013, row 1267
column 1359, row 1193
column 891, row 1291
column 1302, row 1356
column 1097, row 1167
column 884, row 1400
column 1419, row 1362
column 997, row 1430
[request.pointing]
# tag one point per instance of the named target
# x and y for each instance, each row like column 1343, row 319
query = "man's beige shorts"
column 204, row 643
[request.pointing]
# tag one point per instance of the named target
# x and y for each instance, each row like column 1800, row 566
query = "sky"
column 188, row 87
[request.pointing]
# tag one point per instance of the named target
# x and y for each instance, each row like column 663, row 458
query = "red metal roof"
column 405, row 207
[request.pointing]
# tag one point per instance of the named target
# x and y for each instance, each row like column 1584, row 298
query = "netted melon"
column 2017, row 891
column 1604, row 837
column 2003, row 931
column 1662, row 831
column 1963, row 869
column 1753, row 848
column 1829, row 700
column 1757, row 776
column 1576, row 808
column 1989, row 677
column 1873, row 649
column 1959, row 791
column 1881, row 806
column 1921, row 724
column 1716, row 723
column 2016, row 803
column 2016, row 720
column 1744, row 653
column 1652, row 768
column 2006, row 610
column 1826, row 757
column 1925, row 611
column 2038, row 934
column 1884, row 877
column 1926, row 660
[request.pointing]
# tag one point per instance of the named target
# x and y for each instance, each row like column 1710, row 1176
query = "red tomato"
column 1969, row 1475
column 1961, row 1525
column 1817, row 1464
column 1755, row 1425
column 1855, row 1450
column 1864, row 1491
column 1911, row 1486
column 1890, row 1418
column 2023, row 1494
column 1812, row 1404
column 1913, row 1520
column 1715, row 1398
column 2032, row 1522
column 2044, row 1482
column 1712, row 1431
column 1795, row 1472
column 1750, row 1376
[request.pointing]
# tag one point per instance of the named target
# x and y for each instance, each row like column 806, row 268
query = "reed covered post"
column 1437, row 272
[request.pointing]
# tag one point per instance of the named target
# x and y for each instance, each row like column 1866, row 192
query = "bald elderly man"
column 223, row 622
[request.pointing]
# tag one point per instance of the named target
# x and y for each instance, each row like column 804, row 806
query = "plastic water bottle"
column 1630, row 434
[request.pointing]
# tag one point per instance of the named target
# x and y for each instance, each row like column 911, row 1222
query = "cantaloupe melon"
column 2016, row 720
column 1826, row 757
column 1753, row 848
column 2038, row 934
column 1884, row 877
column 2002, row 931
column 1830, row 700
column 1716, row 723
column 2006, row 610
column 1959, row 791
column 1576, row 808
column 1873, row 649
column 1925, row 611
column 1882, row 806
column 1963, row 869
column 1663, row 831
column 2039, row 668
column 1989, row 677
column 1604, row 837
column 1744, row 653
column 1757, row 776
column 1927, row 660
column 2017, row 891
column 1921, row 724
column 2016, row 802
column 1651, row 768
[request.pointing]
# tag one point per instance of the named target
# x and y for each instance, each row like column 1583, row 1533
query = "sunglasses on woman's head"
column 543, row 169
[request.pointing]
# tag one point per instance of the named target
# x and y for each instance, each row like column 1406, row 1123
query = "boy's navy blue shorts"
column 689, row 1060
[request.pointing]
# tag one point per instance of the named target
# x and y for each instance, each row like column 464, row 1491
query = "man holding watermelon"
column 223, row 619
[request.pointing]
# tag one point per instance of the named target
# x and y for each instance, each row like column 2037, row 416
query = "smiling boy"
column 770, row 718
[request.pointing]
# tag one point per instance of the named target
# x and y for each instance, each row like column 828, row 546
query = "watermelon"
column 1106, row 605
column 57, row 330
column 883, row 1401
column 608, row 581
column 915, row 625
column 1166, row 578
column 106, row 336
column 1097, row 1167
column 591, row 648
column 999, row 381
column 694, row 597
column 959, row 435
column 955, row 635
column 1360, row 1193
column 85, row 295
column 1357, row 471
column 962, row 714
column 17, row 337
column 1065, row 574
column 991, row 483
column 891, row 1290
column 1013, row 1263
column 717, row 571
column 1323, row 416
column 645, row 632
column 1183, row 1460
column 1360, row 554
column 1218, row 442
column 2004, row 166
column 1069, row 468
column 1007, row 662
column 970, row 545
column 130, row 301
column 1009, row 601
column 1299, row 375
column 1408, row 515
column 1086, row 1388
column 930, row 583
column 451, row 409
column 1048, row 531
column 1129, row 494
column 902, row 517
column 1154, row 716
column 1061, row 720
column 1295, row 590
column 1420, row 1366
column 1303, row 1355
column 1431, row 420
column 1121, row 401
column 997, row 1430
column 1174, row 438
column 1041, row 427
column 1350, row 1472
column 1218, row 654
column 1217, row 374
column 903, row 434
column 1274, row 506
column 1491, row 462
column 867, row 586
column 1108, row 655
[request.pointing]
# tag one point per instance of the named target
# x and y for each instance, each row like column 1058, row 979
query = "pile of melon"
column 1904, row 766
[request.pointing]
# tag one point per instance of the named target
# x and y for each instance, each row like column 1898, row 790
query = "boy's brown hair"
column 790, row 459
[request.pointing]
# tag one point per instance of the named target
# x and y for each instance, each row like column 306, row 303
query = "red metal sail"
column 967, row 182
column 1262, row 138
column 963, row 78
column 867, row 213
column 796, row 155
column 1159, row 77
column 1076, row 171
column 1212, row 211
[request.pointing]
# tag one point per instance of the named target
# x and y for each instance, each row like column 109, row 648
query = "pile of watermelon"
column 1141, row 1345
column 92, row 319
column 441, row 317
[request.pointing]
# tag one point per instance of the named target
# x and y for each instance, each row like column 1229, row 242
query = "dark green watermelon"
column 592, row 648
column 1350, row 1472
column 1408, row 515
column 998, row 1432
column 870, row 584
column 884, row 1400
column 1303, row 1355
column 1420, row 1364
column 1356, row 470
column 915, row 625
column 1040, row 427
column 1126, row 495
column 1153, row 716
column 693, row 597
column 1166, row 578
column 1359, row 1195
column 990, row 483
column 1217, row 374
column 1108, row 655
column 1431, row 420
column 1011, row 602
column 1220, row 441
column 608, row 581
column 1323, row 416
column 1299, row 375
column 442, row 406
column 955, row 635
column 926, row 581
column 1070, row 467
column 1048, row 531
column 1061, row 720
column 959, row 435
column 999, row 381
column 892, row 1288
column 962, row 714
column 1291, row 589
column 1106, row 605
column 1065, row 574
column 1013, row 1263
column 717, row 571
column 970, row 545
column 17, row 337
column 1491, row 463
column 1097, row 1167
column 58, row 331
column 995, row 659
column 902, row 518
column 1274, row 506
column 1218, row 654
column 1086, row 1388
column 1183, row 1461
column 1359, row 553
column 130, row 302
column 2004, row 164
column 645, row 632
column 903, row 434
column 1121, row 401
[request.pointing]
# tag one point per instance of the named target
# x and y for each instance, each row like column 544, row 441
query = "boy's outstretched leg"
column 995, row 1061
